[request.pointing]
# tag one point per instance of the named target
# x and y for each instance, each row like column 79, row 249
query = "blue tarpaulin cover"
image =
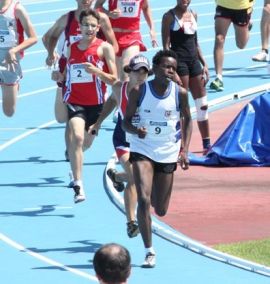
column 246, row 141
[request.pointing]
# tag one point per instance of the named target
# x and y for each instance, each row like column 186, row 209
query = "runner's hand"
column 116, row 13
column 142, row 132
column 93, row 130
column 183, row 160
column 52, row 59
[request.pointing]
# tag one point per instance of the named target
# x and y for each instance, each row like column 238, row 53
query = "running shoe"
column 118, row 185
column 79, row 195
column 132, row 229
column 262, row 56
column 150, row 261
column 217, row 85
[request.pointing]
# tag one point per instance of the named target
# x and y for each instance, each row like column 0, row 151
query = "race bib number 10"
column 129, row 9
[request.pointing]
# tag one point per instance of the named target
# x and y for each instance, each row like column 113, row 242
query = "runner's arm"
column 148, row 18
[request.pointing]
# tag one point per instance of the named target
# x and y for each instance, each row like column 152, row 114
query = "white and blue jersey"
column 161, row 117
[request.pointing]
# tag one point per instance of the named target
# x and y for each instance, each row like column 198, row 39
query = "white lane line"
column 34, row 92
column 45, row 259
column 24, row 135
column 51, row 11
column 12, row 128
column 37, row 92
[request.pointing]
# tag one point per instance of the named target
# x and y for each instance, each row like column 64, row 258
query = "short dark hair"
column 89, row 12
column 163, row 53
column 112, row 263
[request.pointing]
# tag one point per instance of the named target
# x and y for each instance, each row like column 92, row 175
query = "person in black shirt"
column 179, row 33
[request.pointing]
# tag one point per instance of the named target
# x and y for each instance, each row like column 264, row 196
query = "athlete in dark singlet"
column 179, row 33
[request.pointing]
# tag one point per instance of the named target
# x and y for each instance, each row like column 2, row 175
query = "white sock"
column 150, row 250
column 78, row 182
column 219, row 76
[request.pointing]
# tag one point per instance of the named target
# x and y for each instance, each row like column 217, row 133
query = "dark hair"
column 112, row 263
column 89, row 12
column 163, row 53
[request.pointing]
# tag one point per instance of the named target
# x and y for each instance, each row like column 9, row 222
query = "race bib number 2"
column 129, row 9
column 79, row 75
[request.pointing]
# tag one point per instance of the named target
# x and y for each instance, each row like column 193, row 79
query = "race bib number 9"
column 160, row 130
column 7, row 39
column 129, row 9
column 79, row 75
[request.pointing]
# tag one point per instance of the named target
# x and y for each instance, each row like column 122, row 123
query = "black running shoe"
column 132, row 229
column 118, row 185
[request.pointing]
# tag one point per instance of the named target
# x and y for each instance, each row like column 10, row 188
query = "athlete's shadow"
column 83, row 246
column 48, row 182
column 86, row 246
column 40, row 211
column 35, row 160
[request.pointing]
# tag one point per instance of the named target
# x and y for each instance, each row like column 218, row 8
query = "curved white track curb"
column 174, row 236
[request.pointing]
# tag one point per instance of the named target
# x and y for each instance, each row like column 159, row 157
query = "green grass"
column 256, row 251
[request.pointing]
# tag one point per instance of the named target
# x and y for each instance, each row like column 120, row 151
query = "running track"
column 44, row 238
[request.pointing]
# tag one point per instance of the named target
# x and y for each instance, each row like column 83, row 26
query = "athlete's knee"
column 60, row 118
column 202, row 108
column 144, row 203
column 78, row 139
column 220, row 40
column 9, row 111
column 241, row 44
column 161, row 212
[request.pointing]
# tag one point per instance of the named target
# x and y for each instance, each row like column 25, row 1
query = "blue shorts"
column 120, row 144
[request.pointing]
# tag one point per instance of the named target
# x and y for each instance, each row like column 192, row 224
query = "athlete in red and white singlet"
column 130, row 10
column 84, row 88
column 64, row 32
column 91, row 64
column 125, row 19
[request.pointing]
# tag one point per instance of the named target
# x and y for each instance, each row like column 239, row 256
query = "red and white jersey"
column 123, row 100
column 72, row 31
column 130, row 14
column 71, row 34
column 11, row 30
column 83, row 88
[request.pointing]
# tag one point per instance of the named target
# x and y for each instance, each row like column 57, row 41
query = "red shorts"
column 126, row 40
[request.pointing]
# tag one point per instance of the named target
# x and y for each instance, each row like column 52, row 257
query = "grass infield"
column 256, row 251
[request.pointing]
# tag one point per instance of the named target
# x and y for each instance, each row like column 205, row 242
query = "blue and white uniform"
column 11, row 34
column 161, row 117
